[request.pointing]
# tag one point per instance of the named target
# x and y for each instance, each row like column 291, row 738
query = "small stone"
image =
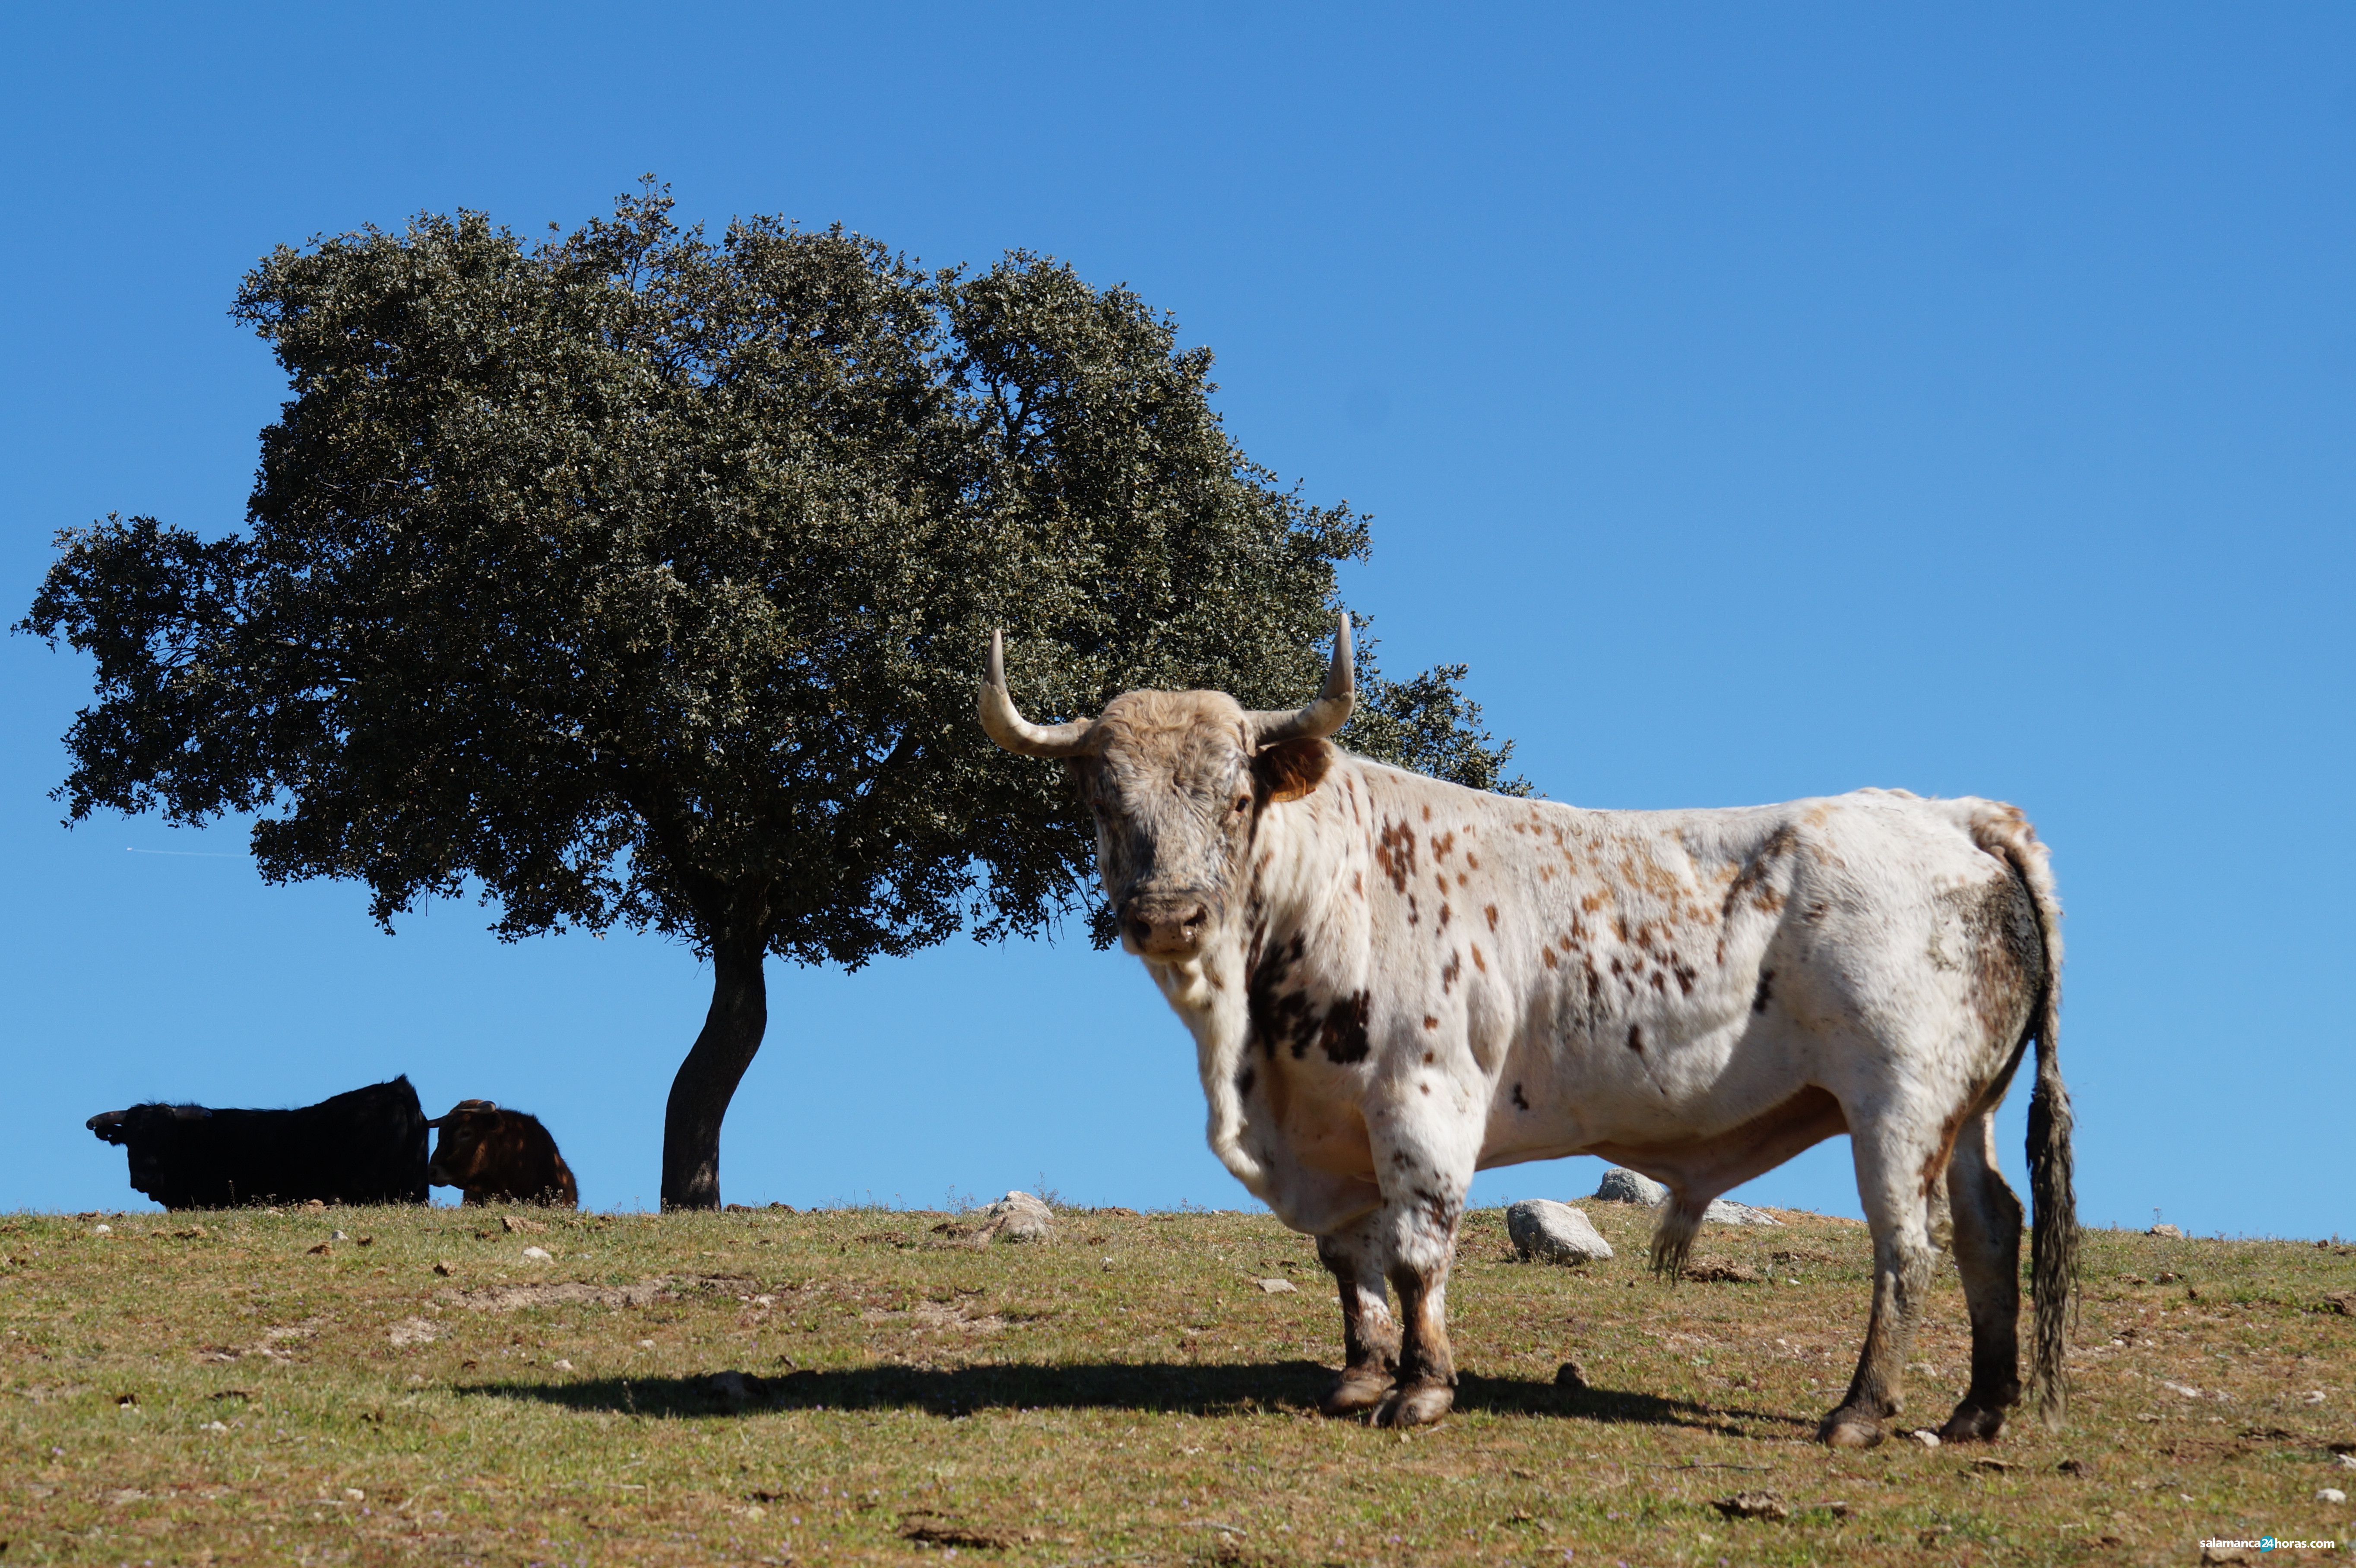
column 646, row 1344
column 1620, row 1186
column 536, row 1255
column 316, row 1205
column 1275, row 1286
column 1925, row 1436
column 1544, row 1231
column 2181, row 1390
column 445, row 1270
column 560, row 1364
column 2080, row 1467
column 213, row 1426
column 1571, row 1376
column 102, row 1231
column 1108, row 1266
column 354, row 1495
column 316, row 1251
column 2312, row 1396
column 337, row 1236
column 2329, row 1495
column 2168, row 1232
column 1754, row 1505
column 2345, row 1461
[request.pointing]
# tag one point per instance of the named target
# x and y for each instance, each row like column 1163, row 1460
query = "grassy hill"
column 861, row 1386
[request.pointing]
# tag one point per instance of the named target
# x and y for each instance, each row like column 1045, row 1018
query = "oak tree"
column 639, row 577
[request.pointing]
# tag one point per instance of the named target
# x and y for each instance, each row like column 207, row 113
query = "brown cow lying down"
column 498, row 1156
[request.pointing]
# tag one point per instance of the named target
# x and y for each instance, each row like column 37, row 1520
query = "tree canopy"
column 636, row 577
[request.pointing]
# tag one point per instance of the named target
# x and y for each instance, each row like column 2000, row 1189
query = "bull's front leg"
column 1370, row 1336
column 1420, row 1242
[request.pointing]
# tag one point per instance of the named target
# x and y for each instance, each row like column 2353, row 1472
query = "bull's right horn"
column 1005, row 724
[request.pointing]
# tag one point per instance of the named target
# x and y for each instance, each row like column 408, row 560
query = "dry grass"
column 220, row 1391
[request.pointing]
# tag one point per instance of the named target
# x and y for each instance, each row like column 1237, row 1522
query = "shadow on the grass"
column 1190, row 1388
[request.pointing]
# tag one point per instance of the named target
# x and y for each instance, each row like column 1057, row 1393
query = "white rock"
column 560, row 1364
column 2182, row 1389
column 1727, row 1214
column 354, row 1495
column 1017, row 1217
column 1275, row 1286
column 2312, row 1396
column 213, row 1426
column 102, row 1231
column 1925, row 1436
column 1544, row 1231
column 2329, row 1495
column 2345, row 1461
column 1620, row 1186
column 536, row 1255
column 2172, row 1231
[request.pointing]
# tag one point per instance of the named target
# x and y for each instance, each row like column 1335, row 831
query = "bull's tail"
column 2003, row 832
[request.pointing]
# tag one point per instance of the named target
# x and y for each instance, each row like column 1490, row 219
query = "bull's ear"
column 1292, row 769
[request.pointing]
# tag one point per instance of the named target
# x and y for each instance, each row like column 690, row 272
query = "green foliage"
column 637, row 577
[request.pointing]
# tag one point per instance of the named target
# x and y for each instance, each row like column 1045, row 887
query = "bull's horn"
column 1006, row 723
column 1326, row 715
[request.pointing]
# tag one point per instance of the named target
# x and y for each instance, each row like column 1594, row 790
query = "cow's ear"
column 1292, row 769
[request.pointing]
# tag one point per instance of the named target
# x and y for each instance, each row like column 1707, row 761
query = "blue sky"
column 1765, row 402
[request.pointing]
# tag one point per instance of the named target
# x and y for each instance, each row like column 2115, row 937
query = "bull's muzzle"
column 1165, row 925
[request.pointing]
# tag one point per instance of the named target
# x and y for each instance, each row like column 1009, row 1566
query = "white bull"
column 1394, row 981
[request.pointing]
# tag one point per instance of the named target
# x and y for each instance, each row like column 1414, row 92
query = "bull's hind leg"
column 1370, row 1336
column 1898, row 1159
column 1988, row 1256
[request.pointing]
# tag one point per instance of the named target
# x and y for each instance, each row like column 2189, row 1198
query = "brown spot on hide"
column 1547, row 954
column 1492, row 913
column 1395, row 853
column 1427, row 814
column 1450, row 970
column 1478, row 961
column 1358, row 883
column 1635, row 1037
column 1518, row 1100
column 1443, row 845
column 1463, row 880
column 1430, row 1022
column 1291, row 770
column 1413, row 915
column 1760, row 997
column 1751, row 882
column 1444, row 912
column 1470, row 859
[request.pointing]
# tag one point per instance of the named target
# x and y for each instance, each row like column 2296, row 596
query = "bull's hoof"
column 1972, row 1423
column 1360, row 1388
column 1416, row 1405
column 1849, row 1429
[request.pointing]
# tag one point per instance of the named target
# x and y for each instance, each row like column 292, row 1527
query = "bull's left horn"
column 1328, row 713
column 1005, row 724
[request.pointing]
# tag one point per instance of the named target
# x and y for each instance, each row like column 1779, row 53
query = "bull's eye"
column 1243, row 803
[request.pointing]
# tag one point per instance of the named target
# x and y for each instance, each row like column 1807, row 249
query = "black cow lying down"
column 365, row 1146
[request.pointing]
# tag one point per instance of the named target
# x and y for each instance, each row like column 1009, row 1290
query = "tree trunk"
column 708, row 1078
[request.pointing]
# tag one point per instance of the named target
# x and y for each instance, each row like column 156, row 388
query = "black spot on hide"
column 1344, row 1034
column 1759, row 1002
column 1246, row 1078
column 1518, row 1100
